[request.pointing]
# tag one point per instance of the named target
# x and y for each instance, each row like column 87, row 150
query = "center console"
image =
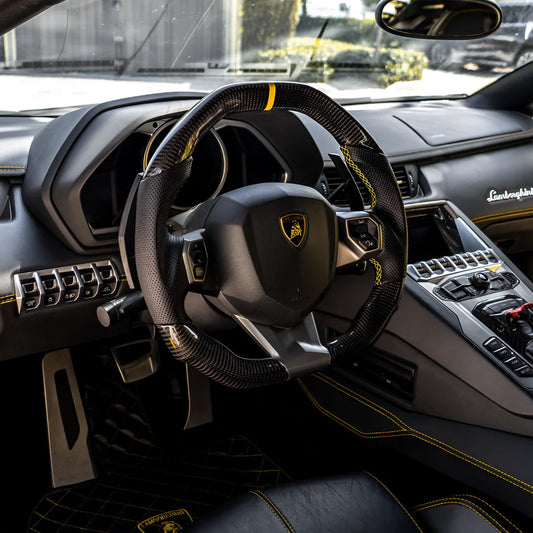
column 451, row 263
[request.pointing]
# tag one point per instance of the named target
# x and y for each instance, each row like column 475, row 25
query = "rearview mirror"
column 431, row 19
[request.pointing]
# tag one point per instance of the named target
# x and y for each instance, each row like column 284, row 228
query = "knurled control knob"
column 480, row 280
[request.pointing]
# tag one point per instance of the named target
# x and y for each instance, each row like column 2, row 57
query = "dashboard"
column 464, row 173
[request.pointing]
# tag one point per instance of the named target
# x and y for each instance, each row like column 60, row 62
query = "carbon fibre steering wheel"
column 267, row 253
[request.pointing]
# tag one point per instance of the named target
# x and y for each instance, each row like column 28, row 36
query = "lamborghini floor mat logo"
column 294, row 228
column 169, row 522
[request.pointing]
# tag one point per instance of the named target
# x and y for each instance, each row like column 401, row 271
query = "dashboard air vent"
column 400, row 173
column 334, row 181
column 406, row 176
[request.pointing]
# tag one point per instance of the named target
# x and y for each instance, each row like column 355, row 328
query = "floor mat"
column 138, row 489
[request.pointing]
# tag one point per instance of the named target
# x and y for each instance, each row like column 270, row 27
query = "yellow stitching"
column 188, row 149
column 44, row 498
column 379, row 271
column 467, row 496
column 461, row 501
column 445, row 501
column 505, row 214
column 359, row 172
column 396, row 500
column 62, row 524
column 447, row 447
column 271, row 96
column 7, row 301
column 363, row 434
column 365, row 401
column 420, row 435
column 7, row 296
column 12, row 167
column 275, row 511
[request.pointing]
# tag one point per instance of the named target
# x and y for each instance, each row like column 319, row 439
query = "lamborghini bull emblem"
column 294, row 228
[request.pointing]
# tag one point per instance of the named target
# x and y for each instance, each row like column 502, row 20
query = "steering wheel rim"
column 159, row 255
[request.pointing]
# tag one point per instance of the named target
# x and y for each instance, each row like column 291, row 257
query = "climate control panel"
column 64, row 285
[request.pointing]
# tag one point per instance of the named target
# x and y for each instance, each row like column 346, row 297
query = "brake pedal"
column 70, row 459
column 136, row 360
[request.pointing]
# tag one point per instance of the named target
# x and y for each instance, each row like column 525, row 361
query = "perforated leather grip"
column 390, row 267
column 169, row 169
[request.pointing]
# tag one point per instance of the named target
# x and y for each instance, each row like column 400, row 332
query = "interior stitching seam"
column 273, row 508
column 478, row 511
column 435, row 442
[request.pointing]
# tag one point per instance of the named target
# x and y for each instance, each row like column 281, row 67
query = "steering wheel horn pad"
column 265, row 276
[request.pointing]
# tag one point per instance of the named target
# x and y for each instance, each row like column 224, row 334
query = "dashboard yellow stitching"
column 363, row 434
column 437, row 443
column 445, row 501
column 503, row 214
column 365, row 401
column 396, row 500
column 7, row 296
column 350, row 162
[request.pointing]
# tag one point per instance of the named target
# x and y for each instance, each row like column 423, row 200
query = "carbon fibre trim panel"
column 218, row 362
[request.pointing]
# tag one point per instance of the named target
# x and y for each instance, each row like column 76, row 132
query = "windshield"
column 88, row 51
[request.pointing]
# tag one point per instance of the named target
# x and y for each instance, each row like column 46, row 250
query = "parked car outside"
column 510, row 46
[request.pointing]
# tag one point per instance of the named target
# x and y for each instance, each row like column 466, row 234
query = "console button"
column 87, row 276
column 367, row 244
column 480, row 280
column 109, row 280
column 51, row 299
column 30, row 303
column 72, row 287
column 503, row 353
column 30, row 288
column 89, row 292
column 70, row 295
column 526, row 372
column 493, row 344
column 514, row 363
column 198, row 260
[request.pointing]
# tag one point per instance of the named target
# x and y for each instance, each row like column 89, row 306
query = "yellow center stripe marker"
column 271, row 96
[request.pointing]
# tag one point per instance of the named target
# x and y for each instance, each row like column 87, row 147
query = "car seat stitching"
column 273, row 508
column 395, row 499
column 471, row 496
column 446, row 501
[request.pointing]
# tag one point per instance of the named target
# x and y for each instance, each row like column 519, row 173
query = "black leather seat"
column 354, row 503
